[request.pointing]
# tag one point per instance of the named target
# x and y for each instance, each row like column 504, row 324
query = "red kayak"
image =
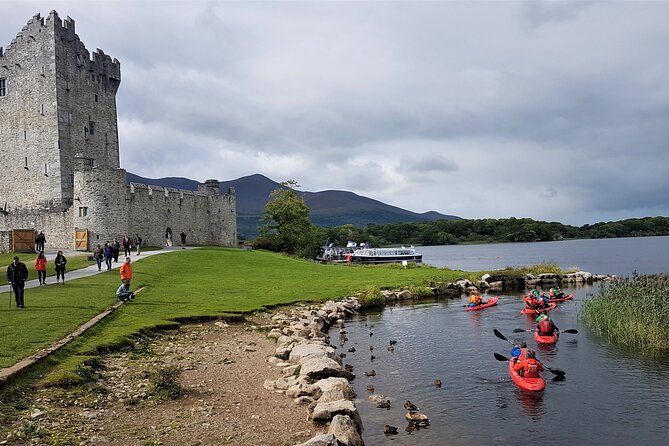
column 546, row 339
column 532, row 384
column 561, row 299
column 489, row 303
column 526, row 310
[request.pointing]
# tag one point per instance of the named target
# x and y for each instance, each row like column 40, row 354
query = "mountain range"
column 328, row 208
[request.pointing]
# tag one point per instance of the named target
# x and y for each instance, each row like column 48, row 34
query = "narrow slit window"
column 3, row 87
column 83, row 211
column 91, row 127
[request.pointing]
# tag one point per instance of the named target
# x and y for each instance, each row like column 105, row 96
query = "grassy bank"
column 186, row 284
column 633, row 312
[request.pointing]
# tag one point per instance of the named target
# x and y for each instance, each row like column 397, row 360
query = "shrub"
column 165, row 382
column 371, row 297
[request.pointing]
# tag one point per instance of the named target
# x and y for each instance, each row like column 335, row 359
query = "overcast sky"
column 555, row 111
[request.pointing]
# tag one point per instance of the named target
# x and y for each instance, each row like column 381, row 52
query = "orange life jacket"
column 545, row 327
column 530, row 366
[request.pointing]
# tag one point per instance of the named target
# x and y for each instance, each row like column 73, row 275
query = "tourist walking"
column 98, row 254
column 138, row 243
column 116, row 250
column 183, row 240
column 126, row 246
column 40, row 267
column 60, row 261
column 108, row 255
column 40, row 240
column 17, row 274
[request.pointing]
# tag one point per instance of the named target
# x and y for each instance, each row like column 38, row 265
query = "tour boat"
column 365, row 253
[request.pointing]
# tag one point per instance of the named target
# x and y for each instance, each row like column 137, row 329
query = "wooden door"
column 23, row 240
column 81, row 239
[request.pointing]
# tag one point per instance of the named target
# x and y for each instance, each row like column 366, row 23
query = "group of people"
column 111, row 250
column 17, row 274
column 539, row 300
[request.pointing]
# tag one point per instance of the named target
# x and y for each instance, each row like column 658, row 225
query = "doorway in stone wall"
column 168, row 237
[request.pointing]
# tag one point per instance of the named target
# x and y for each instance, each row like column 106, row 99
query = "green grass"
column 632, row 312
column 73, row 262
column 207, row 282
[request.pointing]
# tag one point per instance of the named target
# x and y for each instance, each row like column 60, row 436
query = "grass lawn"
column 182, row 284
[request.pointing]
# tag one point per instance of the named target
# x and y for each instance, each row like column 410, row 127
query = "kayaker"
column 519, row 351
column 545, row 326
column 530, row 367
column 556, row 292
column 474, row 300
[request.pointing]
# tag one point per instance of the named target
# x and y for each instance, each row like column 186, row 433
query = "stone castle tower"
column 59, row 151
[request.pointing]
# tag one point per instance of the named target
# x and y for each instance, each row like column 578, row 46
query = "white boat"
column 365, row 253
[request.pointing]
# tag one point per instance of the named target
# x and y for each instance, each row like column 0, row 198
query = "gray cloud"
column 549, row 110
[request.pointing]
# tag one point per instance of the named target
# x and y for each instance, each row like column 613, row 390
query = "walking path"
column 9, row 373
column 82, row 272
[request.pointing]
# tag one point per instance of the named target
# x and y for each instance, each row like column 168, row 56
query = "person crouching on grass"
column 123, row 292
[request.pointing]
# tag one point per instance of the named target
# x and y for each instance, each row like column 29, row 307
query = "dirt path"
column 224, row 401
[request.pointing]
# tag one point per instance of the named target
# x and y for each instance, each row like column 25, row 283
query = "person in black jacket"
column 60, row 263
column 17, row 274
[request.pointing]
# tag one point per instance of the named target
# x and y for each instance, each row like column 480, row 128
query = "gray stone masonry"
column 59, row 152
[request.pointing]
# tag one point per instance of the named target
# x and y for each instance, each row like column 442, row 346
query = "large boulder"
column 322, row 367
column 305, row 350
column 324, row 412
column 346, row 431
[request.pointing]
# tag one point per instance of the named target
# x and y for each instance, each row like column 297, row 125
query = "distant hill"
column 328, row 208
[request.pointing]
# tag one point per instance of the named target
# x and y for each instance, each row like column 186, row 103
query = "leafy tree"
column 286, row 226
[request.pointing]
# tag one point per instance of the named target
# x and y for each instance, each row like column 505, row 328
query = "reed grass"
column 633, row 311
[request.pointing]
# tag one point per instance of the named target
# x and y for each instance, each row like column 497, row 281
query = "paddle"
column 569, row 330
column 556, row 372
column 502, row 337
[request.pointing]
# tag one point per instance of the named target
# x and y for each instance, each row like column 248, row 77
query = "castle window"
column 96, row 98
column 91, row 127
column 3, row 87
column 85, row 132
column 83, row 211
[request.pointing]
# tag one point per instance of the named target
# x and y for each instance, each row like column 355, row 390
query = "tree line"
column 286, row 227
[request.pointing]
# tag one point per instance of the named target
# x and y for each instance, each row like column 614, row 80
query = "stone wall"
column 59, row 151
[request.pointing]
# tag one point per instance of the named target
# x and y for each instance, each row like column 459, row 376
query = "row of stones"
column 313, row 374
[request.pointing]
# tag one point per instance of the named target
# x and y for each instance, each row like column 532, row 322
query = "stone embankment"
column 313, row 374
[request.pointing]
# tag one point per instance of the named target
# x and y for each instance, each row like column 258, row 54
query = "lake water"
column 611, row 395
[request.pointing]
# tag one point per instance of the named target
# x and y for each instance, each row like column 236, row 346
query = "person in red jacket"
column 40, row 267
column 530, row 367
column 126, row 271
column 545, row 326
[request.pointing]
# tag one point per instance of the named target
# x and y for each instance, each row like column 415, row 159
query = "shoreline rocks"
column 313, row 373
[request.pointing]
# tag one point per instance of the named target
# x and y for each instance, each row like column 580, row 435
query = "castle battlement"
column 150, row 189
column 97, row 62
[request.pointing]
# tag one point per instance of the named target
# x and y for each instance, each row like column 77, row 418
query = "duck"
column 372, row 358
column 348, row 367
column 370, row 373
column 342, row 355
column 389, row 430
column 411, row 407
column 416, row 417
column 391, row 349
column 371, row 348
column 371, row 334
column 437, row 382
column 393, row 342
column 385, row 404
column 370, row 388
column 351, row 350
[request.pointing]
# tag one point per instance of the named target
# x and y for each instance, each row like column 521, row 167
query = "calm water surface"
column 611, row 396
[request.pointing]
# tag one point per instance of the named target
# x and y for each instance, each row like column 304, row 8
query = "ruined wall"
column 206, row 218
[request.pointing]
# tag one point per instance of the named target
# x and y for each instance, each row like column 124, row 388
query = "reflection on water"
column 603, row 400
column 531, row 403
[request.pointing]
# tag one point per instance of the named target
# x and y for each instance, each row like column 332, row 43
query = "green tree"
column 285, row 224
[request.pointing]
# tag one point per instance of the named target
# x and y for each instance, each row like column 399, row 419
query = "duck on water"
column 366, row 253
